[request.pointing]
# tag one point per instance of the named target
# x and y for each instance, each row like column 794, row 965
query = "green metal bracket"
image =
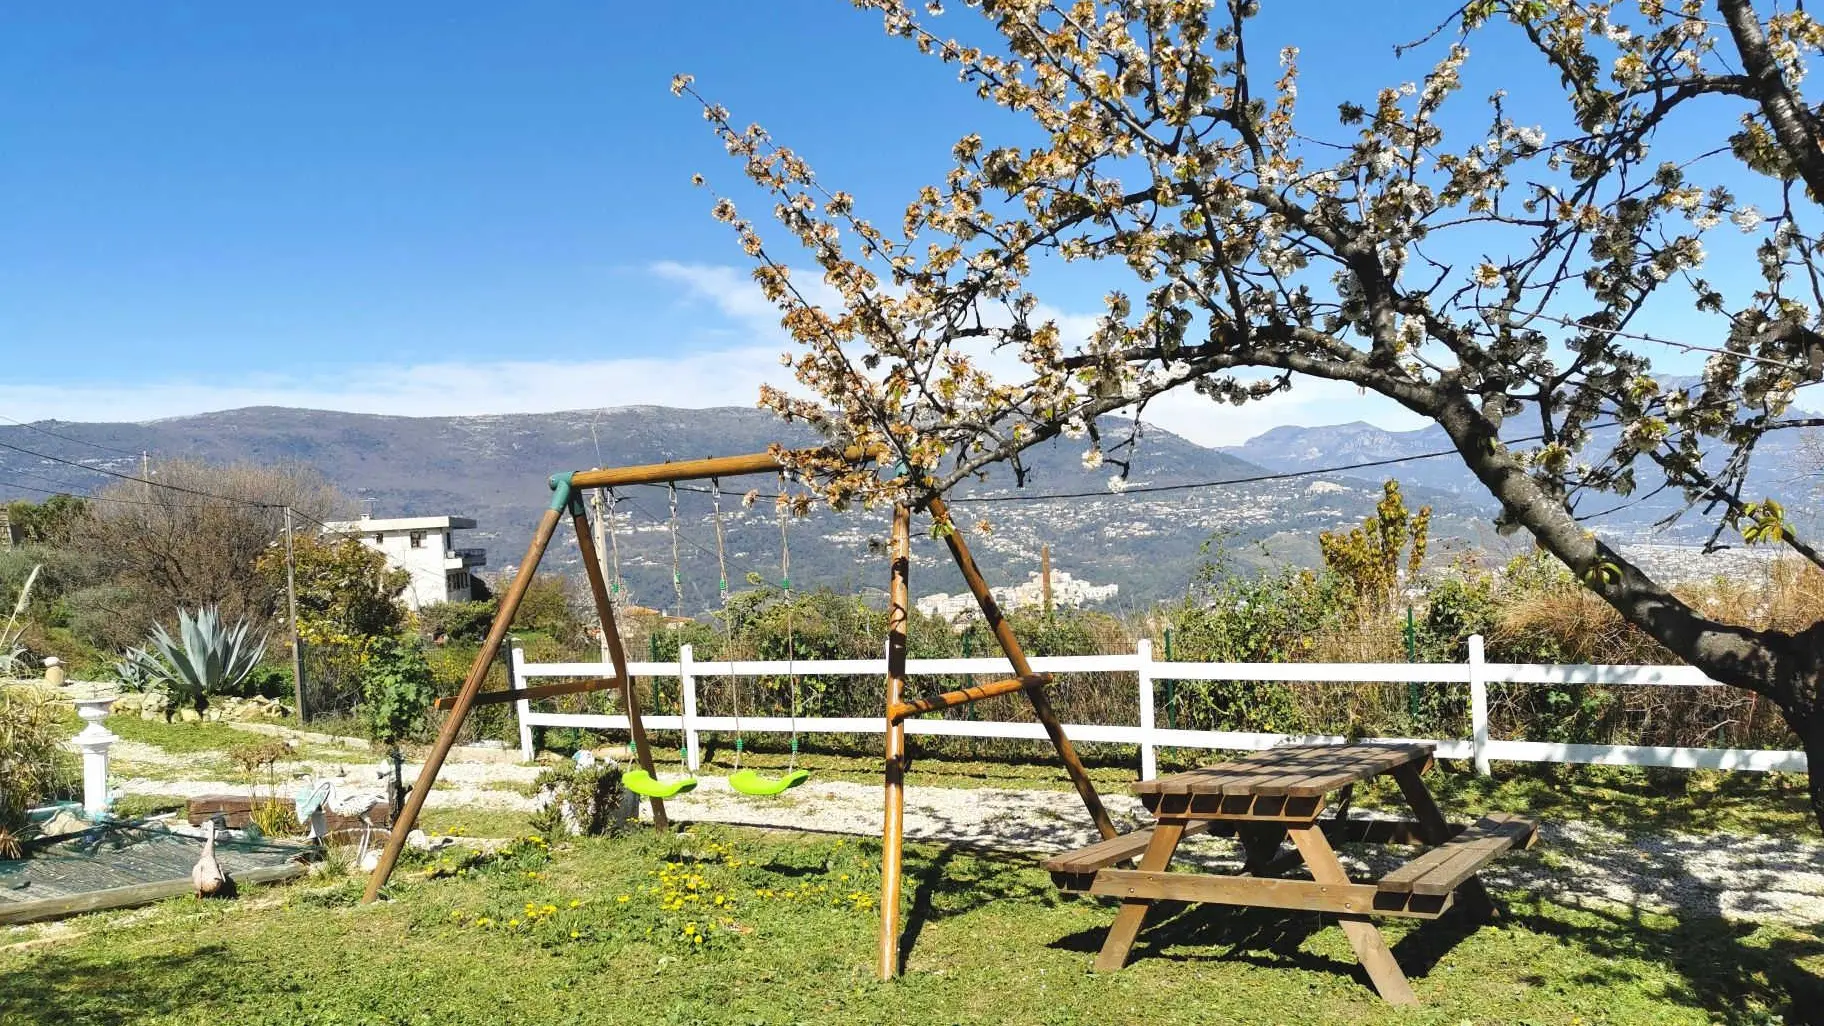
column 563, row 496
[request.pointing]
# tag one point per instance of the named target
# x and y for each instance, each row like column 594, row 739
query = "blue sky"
column 460, row 207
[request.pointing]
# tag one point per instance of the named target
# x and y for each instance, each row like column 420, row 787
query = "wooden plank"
column 901, row 710
column 1235, row 808
column 1253, row 891
column 1291, row 770
column 575, row 687
column 1471, row 895
column 1370, row 948
column 134, row 896
column 236, row 811
column 1111, row 850
column 1441, row 869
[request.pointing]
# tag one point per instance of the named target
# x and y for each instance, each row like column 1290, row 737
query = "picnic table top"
column 1293, row 771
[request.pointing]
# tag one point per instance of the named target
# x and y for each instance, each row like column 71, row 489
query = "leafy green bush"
column 399, row 688
column 457, row 621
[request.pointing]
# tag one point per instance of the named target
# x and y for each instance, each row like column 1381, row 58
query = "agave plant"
column 211, row 658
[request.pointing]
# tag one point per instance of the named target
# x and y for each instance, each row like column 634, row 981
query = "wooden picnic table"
column 1268, row 796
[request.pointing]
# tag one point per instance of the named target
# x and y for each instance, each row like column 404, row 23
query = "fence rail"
column 1476, row 674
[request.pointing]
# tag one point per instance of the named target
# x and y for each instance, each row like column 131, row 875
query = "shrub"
column 399, row 688
column 34, row 766
column 457, row 621
column 579, row 800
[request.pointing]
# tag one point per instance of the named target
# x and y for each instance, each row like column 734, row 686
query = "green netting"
column 111, row 855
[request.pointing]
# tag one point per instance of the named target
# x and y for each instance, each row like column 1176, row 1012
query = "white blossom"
column 1093, row 458
column 1117, row 483
column 1746, row 218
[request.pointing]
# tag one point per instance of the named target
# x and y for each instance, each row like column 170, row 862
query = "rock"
column 422, row 842
column 189, row 715
column 63, row 822
column 128, row 703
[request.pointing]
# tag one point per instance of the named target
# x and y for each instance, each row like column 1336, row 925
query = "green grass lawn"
column 733, row 926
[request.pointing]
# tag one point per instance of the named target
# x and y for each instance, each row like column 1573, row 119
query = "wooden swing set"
column 566, row 497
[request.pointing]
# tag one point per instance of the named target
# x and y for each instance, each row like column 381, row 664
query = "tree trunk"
column 1811, row 734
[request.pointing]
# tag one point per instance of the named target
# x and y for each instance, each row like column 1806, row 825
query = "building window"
column 459, row 581
column 417, row 539
column 379, row 539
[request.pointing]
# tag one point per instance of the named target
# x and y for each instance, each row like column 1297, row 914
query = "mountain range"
column 493, row 469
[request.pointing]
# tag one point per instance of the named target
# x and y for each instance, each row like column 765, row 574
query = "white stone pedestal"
column 93, row 742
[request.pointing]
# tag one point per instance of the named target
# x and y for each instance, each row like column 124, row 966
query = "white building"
column 421, row 546
column 1066, row 593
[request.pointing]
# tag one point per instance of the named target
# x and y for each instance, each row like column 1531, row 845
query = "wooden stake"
column 1045, row 578
column 617, row 653
column 893, row 832
column 1003, row 632
column 478, row 672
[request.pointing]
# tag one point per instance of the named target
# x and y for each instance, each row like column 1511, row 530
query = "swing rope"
column 747, row 781
column 728, row 621
column 638, row 780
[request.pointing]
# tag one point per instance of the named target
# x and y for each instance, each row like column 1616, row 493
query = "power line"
column 67, row 438
column 118, row 502
column 136, row 480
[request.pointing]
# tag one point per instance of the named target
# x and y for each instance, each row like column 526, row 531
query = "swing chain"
column 677, row 576
column 791, row 640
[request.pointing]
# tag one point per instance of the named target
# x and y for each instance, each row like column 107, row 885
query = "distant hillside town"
column 1066, row 591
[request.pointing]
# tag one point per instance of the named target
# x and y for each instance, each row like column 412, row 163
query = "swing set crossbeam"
column 575, row 687
column 963, row 696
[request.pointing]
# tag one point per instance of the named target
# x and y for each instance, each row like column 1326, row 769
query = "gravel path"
column 1749, row 877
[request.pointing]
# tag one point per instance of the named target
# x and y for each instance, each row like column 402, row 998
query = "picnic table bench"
column 1264, row 798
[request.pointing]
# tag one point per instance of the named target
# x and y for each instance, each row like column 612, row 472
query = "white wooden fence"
column 1147, row 734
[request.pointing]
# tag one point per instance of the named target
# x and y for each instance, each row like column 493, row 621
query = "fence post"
column 1149, row 759
column 687, row 702
column 516, row 681
column 1478, row 706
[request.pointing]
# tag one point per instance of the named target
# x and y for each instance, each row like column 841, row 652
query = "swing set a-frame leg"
column 478, row 672
column 893, row 832
column 611, row 636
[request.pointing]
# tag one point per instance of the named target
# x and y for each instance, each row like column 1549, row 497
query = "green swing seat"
column 747, row 781
column 641, row 782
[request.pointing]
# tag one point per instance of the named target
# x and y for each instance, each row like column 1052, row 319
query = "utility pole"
column 291, row 601
column 598, row 528
column 1045, row 577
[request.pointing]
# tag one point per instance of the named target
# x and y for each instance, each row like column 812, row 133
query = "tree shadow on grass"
column 943, row 886
column 58, row 988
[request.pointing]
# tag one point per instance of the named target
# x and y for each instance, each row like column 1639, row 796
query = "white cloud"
column 727, row 376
